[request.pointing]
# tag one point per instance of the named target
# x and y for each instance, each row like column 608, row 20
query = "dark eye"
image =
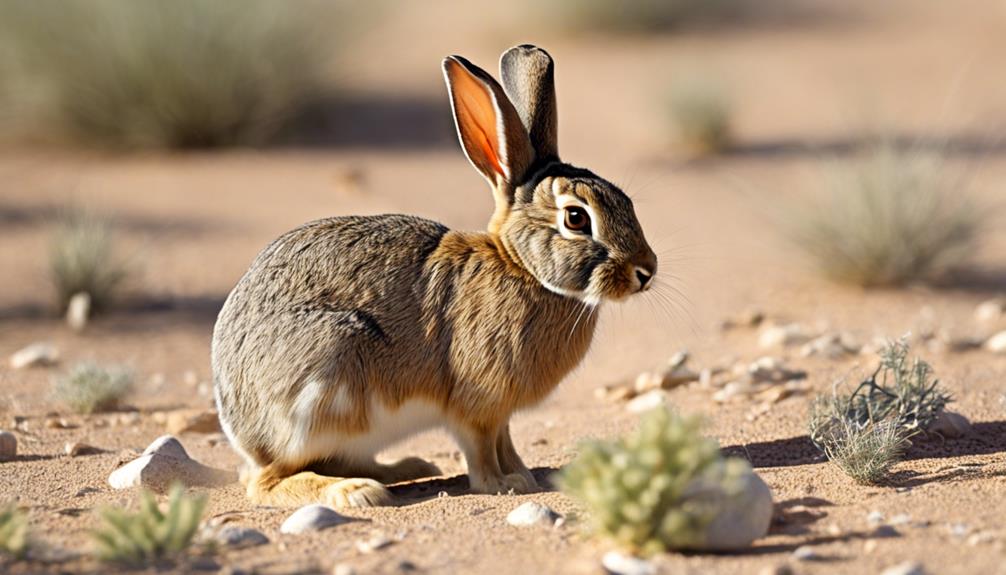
column 577, row 219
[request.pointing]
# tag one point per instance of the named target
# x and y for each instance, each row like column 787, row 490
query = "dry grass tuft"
column 91, row 388
column 700, row 111
column 13, row 531
column 888, row 217
column 148, row 74
column 83, row 258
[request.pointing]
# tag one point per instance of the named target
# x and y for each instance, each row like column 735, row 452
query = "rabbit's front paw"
column 356, row 492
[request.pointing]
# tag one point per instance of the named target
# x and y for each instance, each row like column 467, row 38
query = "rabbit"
column 349, row 334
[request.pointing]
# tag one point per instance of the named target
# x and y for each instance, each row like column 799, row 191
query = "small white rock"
column 900, row 519
column 343, row 569
column 991, row 310
column 741, row 519
column 788, row 335
column 621, row 564
column 805, row 553
column 997, row 343
column 875, row 518
column 165, row 462
column 532, row 513
column 35, row 355
column 906, row 568
column 8, row 446
column 237, row 537
column 311, row 518
column 78, row 311
column 373, row 544
column 647, row 401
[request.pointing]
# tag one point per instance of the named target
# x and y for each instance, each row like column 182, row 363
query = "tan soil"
column 195, row 221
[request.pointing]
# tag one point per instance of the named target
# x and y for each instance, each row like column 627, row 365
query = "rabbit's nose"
column 644, row 276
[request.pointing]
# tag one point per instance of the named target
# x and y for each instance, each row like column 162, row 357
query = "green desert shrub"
column 83, row 258
column 866, row 432
column 700, row 112
column 149, row 73
column 888, row 216
column 657, row 488
column 149, row 532
column 638, row 16
column 13, row 531
column 90, row 388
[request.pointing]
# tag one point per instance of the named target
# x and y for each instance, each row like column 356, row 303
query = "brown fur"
column 347, row 315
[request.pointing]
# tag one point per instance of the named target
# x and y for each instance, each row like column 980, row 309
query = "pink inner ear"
column 476, row 116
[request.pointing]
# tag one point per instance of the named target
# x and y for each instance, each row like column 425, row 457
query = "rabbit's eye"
column 577, row 219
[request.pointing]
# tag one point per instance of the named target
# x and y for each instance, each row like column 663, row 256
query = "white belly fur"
column 387, row 427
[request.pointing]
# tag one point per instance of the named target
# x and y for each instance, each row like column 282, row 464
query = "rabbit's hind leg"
column 407, row 469
column 281, row 486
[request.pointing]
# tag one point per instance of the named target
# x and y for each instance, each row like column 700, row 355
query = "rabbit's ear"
column 489, row 128
column 528, row 75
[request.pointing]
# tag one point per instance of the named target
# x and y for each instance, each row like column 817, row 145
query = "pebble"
column 343, row 569
column 57, row 423
column 8, row 446
column 782, row 569
column 373, row 544
column 787, row 335
column 734, row 389
column 164, row 462
column 748, row 318
column 78, row 448
column 900, row 519
column 35, row 355
column 78, row 311
column 532, row 513
column 311, row 518
column 741, row 518
column 621, row 564
column 772, row 370
column 192, row 421
column 831, row 346
column 997, row 343
column 950, row 425
column 805, row 553
column 237, row 537
column 906, row 568
column 648, row 401
column 875, row 518
column 991, row 310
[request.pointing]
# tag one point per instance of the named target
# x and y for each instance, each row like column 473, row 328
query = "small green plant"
column 657, row 488
column 83, row 258
column 90, row 388
column 152, row 74
column 887, row 217
column 13, row 531
column 701, row 115
column 149, row 532
column 866, row 432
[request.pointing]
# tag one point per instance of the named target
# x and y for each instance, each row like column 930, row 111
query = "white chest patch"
column 387, row 427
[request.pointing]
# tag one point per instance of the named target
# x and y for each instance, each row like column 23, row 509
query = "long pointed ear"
column 489, row 128
column 528, row 75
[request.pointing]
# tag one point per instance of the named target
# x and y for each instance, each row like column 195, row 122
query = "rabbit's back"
column 333, row 300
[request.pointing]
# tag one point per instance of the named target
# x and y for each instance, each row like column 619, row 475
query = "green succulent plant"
column 657, row 488
column 13, row 531
column 149, row 533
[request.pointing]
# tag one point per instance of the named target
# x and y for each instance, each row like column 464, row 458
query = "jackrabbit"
column 350, row 333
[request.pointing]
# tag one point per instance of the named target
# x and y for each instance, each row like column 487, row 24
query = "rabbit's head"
column 574, row 231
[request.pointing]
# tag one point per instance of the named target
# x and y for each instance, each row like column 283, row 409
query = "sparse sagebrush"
column 90, row 388
column 701, row 115
column 13, row 531
column 149, row 532
column 887, row 217
column 657, row 488
column 184, row 73
column 84, row 258
column 865, row 432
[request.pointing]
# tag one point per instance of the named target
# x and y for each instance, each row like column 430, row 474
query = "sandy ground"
column 193, row 222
